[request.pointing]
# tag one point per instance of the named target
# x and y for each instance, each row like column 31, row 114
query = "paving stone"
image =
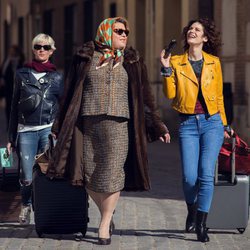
column 152, row 220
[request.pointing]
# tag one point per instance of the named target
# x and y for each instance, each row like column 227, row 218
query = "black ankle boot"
column 201, row 229
column 191, row 217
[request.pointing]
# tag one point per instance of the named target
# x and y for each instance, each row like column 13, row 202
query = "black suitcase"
column 59, row 207
column 230, row 204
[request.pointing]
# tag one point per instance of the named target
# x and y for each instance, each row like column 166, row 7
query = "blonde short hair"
column 44, row 38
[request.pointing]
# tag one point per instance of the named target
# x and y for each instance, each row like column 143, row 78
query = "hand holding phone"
column 169, row 48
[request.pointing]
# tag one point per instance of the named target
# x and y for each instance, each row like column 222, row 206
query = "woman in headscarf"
column 106, row 115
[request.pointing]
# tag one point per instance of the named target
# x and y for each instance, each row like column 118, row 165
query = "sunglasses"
column 121, row 31
column 45, row 47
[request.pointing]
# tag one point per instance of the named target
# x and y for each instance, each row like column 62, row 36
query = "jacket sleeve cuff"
column 166, row 71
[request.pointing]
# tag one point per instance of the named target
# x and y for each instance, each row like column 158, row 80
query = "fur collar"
column 131, row 55
column 87, row 50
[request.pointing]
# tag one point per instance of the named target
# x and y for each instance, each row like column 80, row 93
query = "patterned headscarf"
column 104, row 40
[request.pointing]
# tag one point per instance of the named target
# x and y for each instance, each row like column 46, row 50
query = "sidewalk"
column 144, row 220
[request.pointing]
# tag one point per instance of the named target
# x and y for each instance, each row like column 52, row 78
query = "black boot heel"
column 191, row 218
column 201, row 229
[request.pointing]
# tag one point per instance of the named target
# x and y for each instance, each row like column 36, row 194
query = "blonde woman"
column 37, row 89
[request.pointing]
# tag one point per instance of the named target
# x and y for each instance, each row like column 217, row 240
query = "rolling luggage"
column 59, row 207
column 230, row 204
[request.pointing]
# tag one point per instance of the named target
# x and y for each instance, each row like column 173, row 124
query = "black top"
column 200, row 106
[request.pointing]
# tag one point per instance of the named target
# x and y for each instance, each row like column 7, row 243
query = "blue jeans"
column 200, row 137
column 30, row 143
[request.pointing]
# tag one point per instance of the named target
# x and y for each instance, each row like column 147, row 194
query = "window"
column 68, row 35
column 140, row 26
column 20, row 32
column 112, row 10
column 6, row 38
column 206, row 8
column 47, row 22
column 88, row 20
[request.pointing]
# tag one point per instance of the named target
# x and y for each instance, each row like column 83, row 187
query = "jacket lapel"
column 187, row 70
column 206, row 69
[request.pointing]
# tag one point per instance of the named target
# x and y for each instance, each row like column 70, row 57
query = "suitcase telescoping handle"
column 232, row 163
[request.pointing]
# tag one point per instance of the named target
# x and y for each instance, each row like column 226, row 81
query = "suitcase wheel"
column 40, row 234
column 241, row 230
column 79, row 236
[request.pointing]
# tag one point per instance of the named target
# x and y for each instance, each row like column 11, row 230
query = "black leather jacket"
column 35, row 102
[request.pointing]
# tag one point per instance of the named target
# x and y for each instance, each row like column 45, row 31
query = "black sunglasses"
column 120, row 32
column 45, row 47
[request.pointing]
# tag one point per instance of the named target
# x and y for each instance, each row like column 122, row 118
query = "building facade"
column 153, row 23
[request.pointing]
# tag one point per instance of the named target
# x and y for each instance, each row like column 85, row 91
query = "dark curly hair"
column 212, row 46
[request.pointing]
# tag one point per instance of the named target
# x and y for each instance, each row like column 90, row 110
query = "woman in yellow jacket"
column 194, row 81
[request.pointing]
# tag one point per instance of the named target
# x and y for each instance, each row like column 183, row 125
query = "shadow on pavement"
column 169, row 233
column 29, row 232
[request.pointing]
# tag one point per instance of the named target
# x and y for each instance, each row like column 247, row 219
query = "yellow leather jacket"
column 182, row 86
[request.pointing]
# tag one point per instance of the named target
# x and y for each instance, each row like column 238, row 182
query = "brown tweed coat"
column 144, row 123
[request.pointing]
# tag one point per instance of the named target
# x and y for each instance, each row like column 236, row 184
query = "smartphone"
column 170, row 47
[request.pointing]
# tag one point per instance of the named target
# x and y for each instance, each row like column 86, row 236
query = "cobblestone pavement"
column 144, row 220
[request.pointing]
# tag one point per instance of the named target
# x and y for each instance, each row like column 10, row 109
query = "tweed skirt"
column 105, row 149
